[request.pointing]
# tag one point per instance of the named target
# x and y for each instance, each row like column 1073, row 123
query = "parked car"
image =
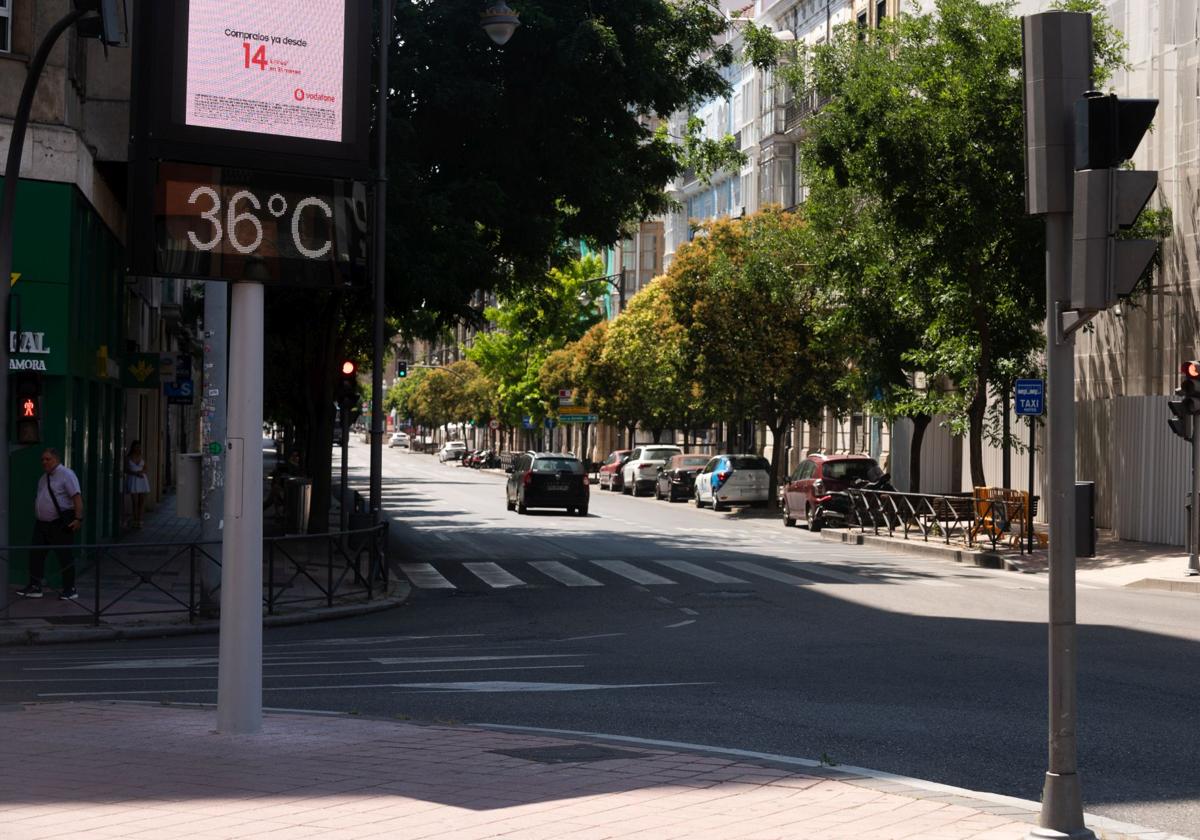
column 641, row 470
column 816, row 488
column 547, row 480
column 398, row 439
column 452, row 451
column 609, row 474
column 677, row 477
column 733, row 480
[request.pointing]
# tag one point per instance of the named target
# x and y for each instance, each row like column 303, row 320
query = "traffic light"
column 401, row 369
column 27, row 394
column 1185, row 404
column 1108, row 199
column 347, row 386
column 111, row 24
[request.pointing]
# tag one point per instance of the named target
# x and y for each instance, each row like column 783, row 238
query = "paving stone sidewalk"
column 107, row 770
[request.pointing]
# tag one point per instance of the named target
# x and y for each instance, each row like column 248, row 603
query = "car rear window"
column 689, row 460
column 749, row 462
column 571, row 465
column 658, row 454
column 849, row 470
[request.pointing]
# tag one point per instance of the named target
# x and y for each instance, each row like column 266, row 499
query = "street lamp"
column 617, row 281
column 499, row 22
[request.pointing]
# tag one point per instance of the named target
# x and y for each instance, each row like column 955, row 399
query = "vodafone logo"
column 299, row 94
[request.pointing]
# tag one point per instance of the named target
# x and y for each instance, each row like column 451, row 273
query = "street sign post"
column 1030, row 401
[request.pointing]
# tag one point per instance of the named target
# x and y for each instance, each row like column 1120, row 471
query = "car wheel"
column 521, row 506
column 509, row 504
column 789, row 521
column 814, row 518
column 717, row 506
column 696, row 499
column 582, row 511
column 625, row 489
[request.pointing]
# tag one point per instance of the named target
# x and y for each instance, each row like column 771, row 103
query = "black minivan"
column 547, row 480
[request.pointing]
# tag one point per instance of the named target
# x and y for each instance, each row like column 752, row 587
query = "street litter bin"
column 297, row 499
column 1085, row 519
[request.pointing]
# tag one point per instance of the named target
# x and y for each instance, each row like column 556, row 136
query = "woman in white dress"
column 136, row 483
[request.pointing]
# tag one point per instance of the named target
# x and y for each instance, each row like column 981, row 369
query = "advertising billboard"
column 263, row 68
column 260, row 84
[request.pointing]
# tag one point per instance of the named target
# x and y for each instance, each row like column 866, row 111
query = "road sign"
column 216, row 448
column 549, row 423
column 566, row 396
column 578, row 418
column 527, row 422
column 1031, row 397
column 493, row 424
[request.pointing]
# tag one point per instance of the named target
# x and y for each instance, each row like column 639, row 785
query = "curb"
column 983, row 559
column 1166, row 585
column 986, row 802
column 13, row 636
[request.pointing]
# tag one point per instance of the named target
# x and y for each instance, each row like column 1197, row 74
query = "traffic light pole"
column 379, row 229
column 1057, row 63
column 1194, row 515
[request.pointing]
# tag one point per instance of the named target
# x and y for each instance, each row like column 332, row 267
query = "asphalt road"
column 657, row 620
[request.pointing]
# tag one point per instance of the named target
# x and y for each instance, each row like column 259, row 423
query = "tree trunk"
column 1006, row 469
column 975, row 415
column 657, row 435
column 920, row 424
column 776, row 462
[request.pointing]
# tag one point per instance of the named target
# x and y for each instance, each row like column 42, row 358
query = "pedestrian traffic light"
column 27, row 393
column 401, row 369
column 1108, row 199
column 347, row 386
column 1185, row 404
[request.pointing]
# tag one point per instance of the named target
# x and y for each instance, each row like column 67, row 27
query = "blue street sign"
column 1031, row 397
column 550, row 424
column 527, row 422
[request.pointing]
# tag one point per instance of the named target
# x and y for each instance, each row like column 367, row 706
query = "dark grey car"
column 547, row 480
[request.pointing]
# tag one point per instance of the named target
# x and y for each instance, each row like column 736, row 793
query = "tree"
column 530, row 324
column 600, row 381
column 757, row 326
column 924, row 126
column 489, row 192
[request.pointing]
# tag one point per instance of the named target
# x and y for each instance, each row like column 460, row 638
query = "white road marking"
column 442, row 536
column 593, row 636
column 375, row 673
column 140, row 664
column 633, row 573
column 825, row 571
column 680, row 624
column 425, row 660
column 424, row 576
column 517, row 687
column 762, row 571
column 663, row 600
column 563, row 574
column 688, row 611
column 711, row 575
column 377, row 640
column 493, row 575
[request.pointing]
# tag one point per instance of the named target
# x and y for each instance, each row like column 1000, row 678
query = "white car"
column 399, row 439
column 452, row 451
column 733, row 480
column 641, row 470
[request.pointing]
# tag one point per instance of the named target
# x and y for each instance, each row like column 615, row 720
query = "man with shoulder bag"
column 58, row 511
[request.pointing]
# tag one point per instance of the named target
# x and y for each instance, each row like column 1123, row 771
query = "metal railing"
column 943, row 516
column 144, row 579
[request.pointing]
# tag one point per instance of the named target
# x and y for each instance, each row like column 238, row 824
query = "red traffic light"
column 348, row 368
column 1190, row 369
column 29, row 408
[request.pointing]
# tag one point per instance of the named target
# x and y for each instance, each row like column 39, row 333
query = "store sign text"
column 31, row 343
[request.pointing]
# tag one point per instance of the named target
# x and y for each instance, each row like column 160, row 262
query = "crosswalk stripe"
column 692, row 569
column 493, row 575
column 424, row 576
column 825, row 571
column 763, row 571
column 563, row 574
column 633, row 573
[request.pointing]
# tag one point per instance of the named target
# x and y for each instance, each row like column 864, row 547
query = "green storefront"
column 67, row 319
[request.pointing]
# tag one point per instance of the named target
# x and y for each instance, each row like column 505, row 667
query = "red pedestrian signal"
column 27, row 406
column 349, row 368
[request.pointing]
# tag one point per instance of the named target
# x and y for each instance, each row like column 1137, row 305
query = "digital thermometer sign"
column 218, row 223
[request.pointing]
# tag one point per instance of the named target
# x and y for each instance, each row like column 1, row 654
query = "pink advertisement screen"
column 267, row 66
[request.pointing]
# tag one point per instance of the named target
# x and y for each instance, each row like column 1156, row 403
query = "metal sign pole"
column 1194, row 515
column 1032, row 439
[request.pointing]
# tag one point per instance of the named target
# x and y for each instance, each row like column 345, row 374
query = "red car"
column 811, row 487
column 609, row 474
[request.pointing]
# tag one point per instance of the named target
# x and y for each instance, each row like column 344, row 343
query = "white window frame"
column 6, row 24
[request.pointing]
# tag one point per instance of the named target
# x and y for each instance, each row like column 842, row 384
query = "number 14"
column 259, row 57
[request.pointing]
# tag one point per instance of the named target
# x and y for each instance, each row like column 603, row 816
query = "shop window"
column 5, row 26
column 880, row 11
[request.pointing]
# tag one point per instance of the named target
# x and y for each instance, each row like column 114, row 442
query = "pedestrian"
column 58, row 516
column 136, row 483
